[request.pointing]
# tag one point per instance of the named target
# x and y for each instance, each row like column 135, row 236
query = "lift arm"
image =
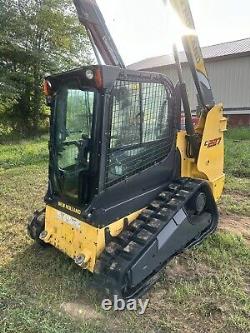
column 91, row 17
column 194, row 55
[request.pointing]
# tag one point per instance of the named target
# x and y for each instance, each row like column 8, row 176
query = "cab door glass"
column 74, row 124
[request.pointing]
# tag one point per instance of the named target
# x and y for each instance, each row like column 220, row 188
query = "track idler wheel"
column 198, row 203
column 36, row 226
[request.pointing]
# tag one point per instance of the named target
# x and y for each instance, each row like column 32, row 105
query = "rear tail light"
column 98, row 78
column 47, row 88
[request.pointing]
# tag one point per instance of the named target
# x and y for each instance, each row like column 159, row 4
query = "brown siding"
column 235, row 120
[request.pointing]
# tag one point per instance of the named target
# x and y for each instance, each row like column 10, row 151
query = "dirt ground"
column 239, row 225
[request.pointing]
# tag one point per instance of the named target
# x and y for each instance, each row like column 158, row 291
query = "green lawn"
column 204, row 290
column 237, row 164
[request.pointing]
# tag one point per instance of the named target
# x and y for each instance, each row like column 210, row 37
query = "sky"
column 147, row 28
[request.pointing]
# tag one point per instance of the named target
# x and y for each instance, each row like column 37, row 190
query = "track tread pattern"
column 121, row 252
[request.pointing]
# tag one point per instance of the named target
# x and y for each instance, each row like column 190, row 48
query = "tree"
column 36, row 36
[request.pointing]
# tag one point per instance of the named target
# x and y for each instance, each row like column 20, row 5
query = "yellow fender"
column 210, row 162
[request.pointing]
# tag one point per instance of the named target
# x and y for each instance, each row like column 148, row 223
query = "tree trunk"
column 36, row 103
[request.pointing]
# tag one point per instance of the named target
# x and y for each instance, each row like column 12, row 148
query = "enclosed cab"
column 113, row 140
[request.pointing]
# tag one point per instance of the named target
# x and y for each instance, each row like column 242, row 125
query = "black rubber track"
column 124, row 250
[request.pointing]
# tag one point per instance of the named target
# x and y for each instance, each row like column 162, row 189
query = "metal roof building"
column 228, row 66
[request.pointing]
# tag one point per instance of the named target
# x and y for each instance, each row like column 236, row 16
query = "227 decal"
column 212, row 143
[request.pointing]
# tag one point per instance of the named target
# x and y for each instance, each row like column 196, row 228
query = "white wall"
column 230, row 80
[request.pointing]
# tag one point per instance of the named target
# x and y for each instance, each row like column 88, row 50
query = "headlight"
column 89, row 74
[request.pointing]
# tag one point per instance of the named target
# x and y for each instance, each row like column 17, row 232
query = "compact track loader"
column 128, row 190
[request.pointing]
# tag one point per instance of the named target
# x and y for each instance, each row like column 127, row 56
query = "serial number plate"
column 69, row 220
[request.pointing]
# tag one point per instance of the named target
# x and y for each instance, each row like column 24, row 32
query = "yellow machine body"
column 77, row 238
column 210, row 162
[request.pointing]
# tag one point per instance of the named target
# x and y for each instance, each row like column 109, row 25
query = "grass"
column 237, row 156
column 24, row 153
column 204, row 290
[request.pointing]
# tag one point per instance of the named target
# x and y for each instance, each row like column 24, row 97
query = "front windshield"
column 74, row 112
column 73, row 127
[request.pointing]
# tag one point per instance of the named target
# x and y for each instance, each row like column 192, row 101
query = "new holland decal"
column 70, row 208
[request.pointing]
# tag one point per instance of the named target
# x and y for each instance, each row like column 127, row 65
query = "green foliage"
column 36, row 36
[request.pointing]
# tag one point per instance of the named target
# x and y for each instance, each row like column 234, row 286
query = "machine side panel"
column 210, row 162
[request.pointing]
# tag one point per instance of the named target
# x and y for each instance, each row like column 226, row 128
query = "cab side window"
column 139, row 128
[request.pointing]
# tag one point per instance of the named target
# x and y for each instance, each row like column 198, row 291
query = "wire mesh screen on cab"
column 139, row 129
